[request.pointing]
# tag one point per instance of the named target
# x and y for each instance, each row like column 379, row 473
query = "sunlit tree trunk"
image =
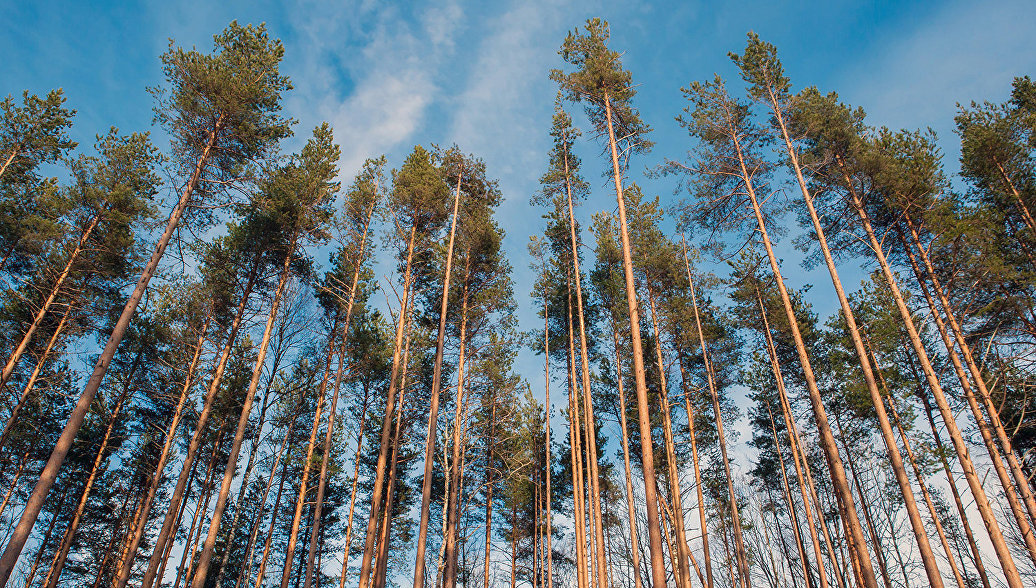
column 843, row 494
column 631, row 509
column 352, row 492
column 242, row 424
column 547, row 443
column 167, row 531
column 386, row 426
column 963, row 454
column 58, row 563
column 575, row 442
column 433, row 407
column 75, row 420
column 798, row 458
column 639, row 375
column 807, row 576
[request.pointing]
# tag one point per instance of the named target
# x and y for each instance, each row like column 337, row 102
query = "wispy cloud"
column 371, row 71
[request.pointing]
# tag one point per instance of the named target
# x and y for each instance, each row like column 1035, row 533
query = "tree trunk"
column 300, row 500
column 273, row 524
column 624, row 438
column 58, row 563
column 643, row 410
column 489, row 498
column 12, row 361
column 976, row 554
column 386, row 426
column 963, row 455
column 381, row 563
column 166, row 533
column 1020, row 478
column 46, row 539
column 703, row 519
column 204, row 493
column 924, row 490
column 246, row 569
column 453, row 502
column 239, row 503
column 739, row 541
column 798, row 458
column 843, row 493
column 433, row 409
column 352, row 493
column 75, row 419
column 242, row 424
column 11, row 420
column 547, row 443
column 677, row 524
column 576, row 444
column 791, row 508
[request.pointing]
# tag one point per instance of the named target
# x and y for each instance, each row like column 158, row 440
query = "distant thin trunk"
column 631, row 510
column 273, row 522
column 352, row 493
column 791, row 507
column 547, row 442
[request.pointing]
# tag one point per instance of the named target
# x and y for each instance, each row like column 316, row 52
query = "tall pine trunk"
column 658, row 575
column 631, row 509
column 352, row 493
column 786, row 487
column 433, row 408
column 167, row 533
column 843, row 493
column 386, row 425
column 681, row 555
column 547, row 443
column 739, row 541
column 963, row 454
column 242, row 423
column 75, row 420
column 41, row 313
column 459, row 426
column 992, row 412
column 798, row 458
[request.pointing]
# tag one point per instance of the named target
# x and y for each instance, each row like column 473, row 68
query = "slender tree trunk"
column 11, row 420
column 791, row 508
column 115, row 535
column 575, row 441
column 329, row 436
column 963, row 454
column 983, row 392
column 386, row 426
column 12, row 361
column 547, row 443
column 243, row 489
column 58, row 563
column 843, row 493
column 273, row 524
column 352, row 493
column 46, row 540
column 242, row 424
column 643, row 410
column 703, row 519
column 300, row 500
column 381, row 563
column 976, row 554
column 739, row 541
column 798, row 457
column 924, row 490
column 166, row 533
column 246, row 569
column 489, row 496
column 433, row 409
column 75, row 419
column 624, row 438
column 459, row 426
column 677, row 525
column 895, row 458
column 179, row 519
column 867, row 518
column 202, row 505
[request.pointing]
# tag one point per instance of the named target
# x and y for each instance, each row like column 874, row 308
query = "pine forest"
column 232, row 361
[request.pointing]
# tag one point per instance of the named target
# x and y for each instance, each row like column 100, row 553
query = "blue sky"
column 475, row 73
